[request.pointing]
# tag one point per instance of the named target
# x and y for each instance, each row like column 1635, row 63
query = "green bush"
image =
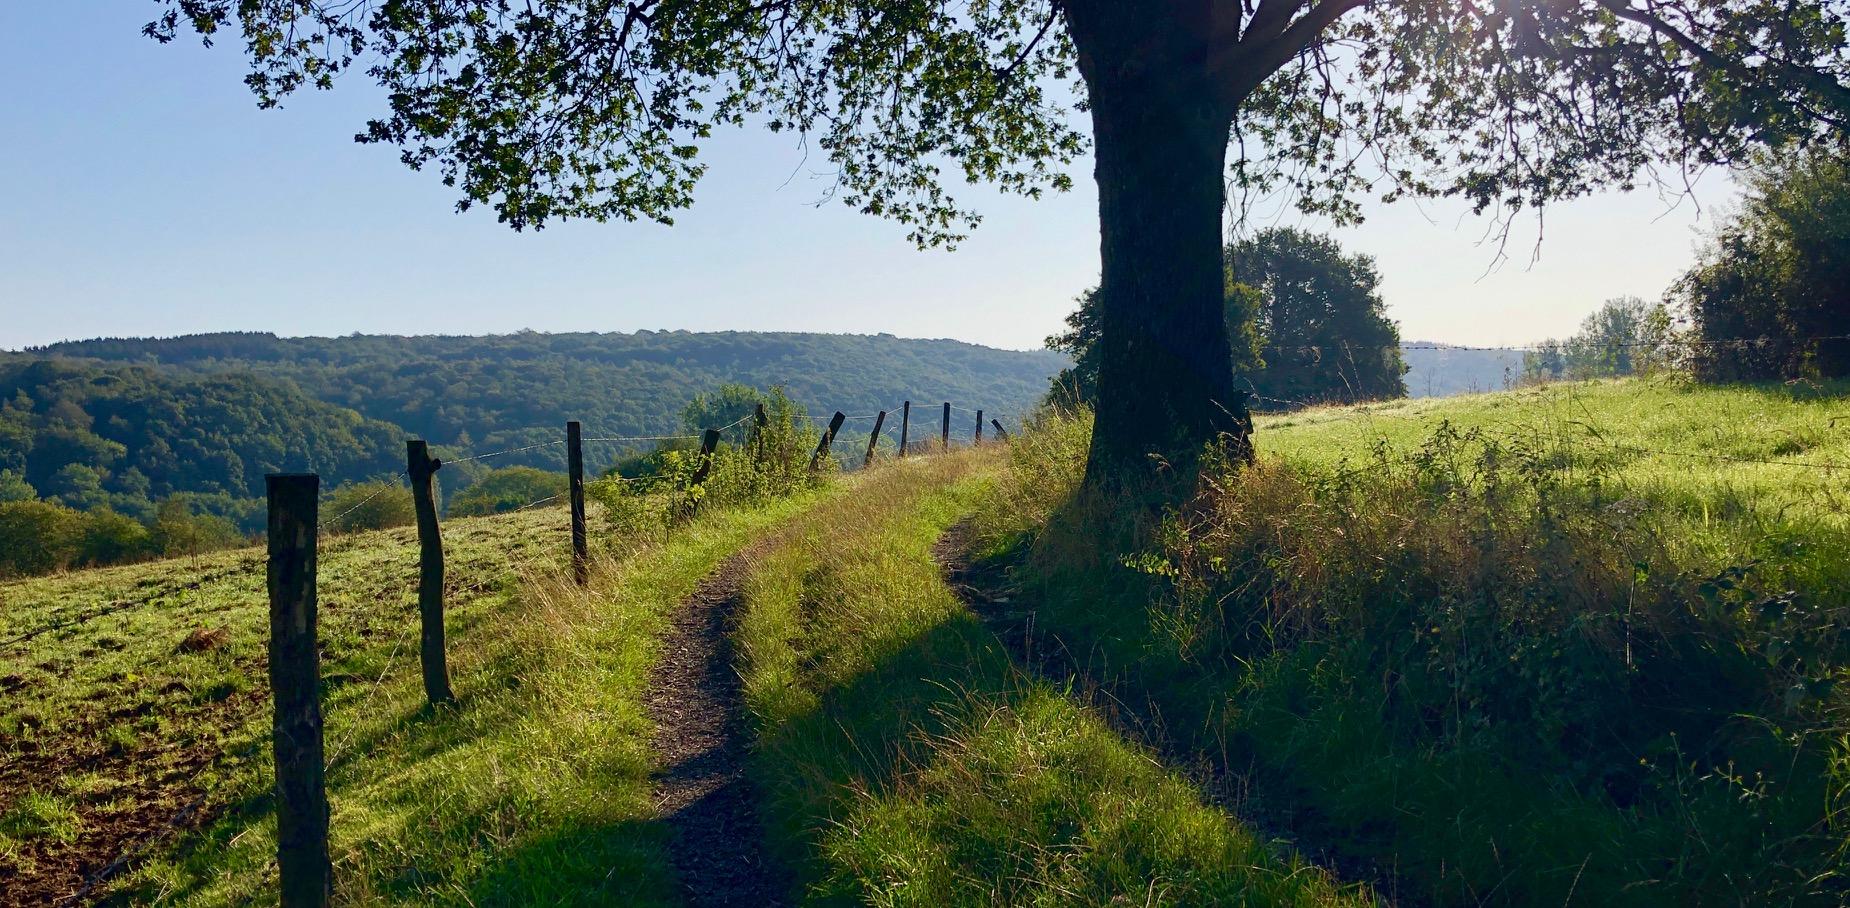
column 106, row 537
column 374, row 504
column 504, row 490
column 36, row 537
column 177, row 531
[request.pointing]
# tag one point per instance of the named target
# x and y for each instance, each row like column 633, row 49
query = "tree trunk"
column 1160, row 124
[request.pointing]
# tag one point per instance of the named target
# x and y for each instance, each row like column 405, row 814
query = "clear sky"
column 147, row 195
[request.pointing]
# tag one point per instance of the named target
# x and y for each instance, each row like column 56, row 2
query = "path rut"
column 702, row 791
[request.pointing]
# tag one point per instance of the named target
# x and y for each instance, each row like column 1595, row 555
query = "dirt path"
column 987, row 592
column 702, row 790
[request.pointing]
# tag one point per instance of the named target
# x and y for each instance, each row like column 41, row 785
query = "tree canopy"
column 598, row 108
column 1305, row 321
column 1769, row 297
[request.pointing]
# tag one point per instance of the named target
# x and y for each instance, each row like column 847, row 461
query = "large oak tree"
column 597, row 108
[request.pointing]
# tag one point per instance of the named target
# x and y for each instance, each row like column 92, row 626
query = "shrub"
column 177, row 531
column 374, row 504
column 36, row 537
column 506, row 489
column 106, row 537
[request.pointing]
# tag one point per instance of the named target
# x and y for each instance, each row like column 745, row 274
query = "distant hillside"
column 512, row 389
column 1442, row 370
column 95, row 434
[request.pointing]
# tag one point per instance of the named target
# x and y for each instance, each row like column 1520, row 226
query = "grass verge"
column 906, row 761
column 1493, row 645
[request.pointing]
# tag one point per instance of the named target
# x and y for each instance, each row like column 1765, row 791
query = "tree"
column 374, row 504
column 598, row 108
column 1326, row 334
column 1624, row 336
column 1305, row 321
column 1768, row 297
column 36, row 537
column 14, row 487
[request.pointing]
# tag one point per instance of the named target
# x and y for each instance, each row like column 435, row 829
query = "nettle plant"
column 546, row 109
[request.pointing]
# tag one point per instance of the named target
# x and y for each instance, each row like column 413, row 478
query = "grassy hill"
column 1569, row 645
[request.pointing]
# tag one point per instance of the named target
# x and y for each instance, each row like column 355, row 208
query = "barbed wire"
column 533, row 447
column 391, row 485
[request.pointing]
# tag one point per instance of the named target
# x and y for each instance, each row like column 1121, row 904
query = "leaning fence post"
column 979, row 427
column 905, row 424
column 575, row 466
column 1001, row 433
column 828, row 437
column 944, row 429
column 420, row 466
column 295, row 687
column 873, row 438
column 709, row 440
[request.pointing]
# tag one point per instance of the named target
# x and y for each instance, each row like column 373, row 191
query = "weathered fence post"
column 979, row 427
column 944, row 429
column 295, row 687
column 420, row 466
column 575, row 465
column 1001, row 433
column 828, row 438
column 873, row 438
column 709, row 441
column 905, row 424
column 759, row 421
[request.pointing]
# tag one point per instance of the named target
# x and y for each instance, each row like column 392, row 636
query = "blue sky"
column 149, row 196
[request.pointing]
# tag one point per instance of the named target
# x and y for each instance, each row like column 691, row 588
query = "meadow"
column 1567, row 644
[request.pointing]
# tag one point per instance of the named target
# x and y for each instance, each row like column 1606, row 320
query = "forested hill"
column 511, row 389
column 123, row 436
column 517, row 389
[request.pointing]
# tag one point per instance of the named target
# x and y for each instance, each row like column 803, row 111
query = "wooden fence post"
column 873, row 438
column 759, row 421
column 905, row 423
column 979, row 427
column 420, row 466
column 944, row 429
column 1001, row 433
column 828, row 438
column 295, row 687
column 709, row 440
column 575, row 466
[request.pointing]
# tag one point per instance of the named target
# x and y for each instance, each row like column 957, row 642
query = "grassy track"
column 534, row 789
column 907, row 762
column 1493, row 645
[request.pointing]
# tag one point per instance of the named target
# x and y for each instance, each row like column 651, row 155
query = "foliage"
column 1326, row 334
column 124, row 436
column 14, row 487
column 372, row 504
column 1494, row 643
column 36, row 537
column 1307, row 323
column 506, row 489
column 1624, row 336
column 1767, row 295
column 644, row 495
column 176, row 530
column 469, row 395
